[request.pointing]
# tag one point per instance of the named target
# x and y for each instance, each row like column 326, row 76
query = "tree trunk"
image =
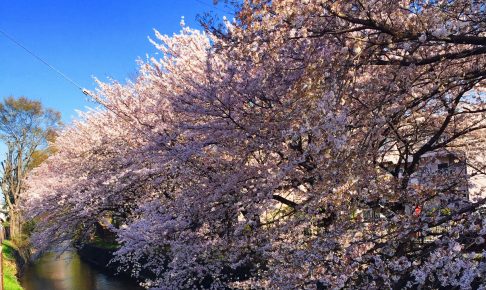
column 15, row 225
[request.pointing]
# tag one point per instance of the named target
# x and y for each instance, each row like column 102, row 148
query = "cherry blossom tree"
column 248, row 155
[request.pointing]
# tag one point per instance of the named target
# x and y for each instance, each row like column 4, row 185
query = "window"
column 443, row 167
column 370, row 215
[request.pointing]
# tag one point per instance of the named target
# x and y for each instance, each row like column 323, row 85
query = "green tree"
column 26, row 128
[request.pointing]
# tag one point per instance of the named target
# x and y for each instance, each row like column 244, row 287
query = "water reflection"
column 68, row 272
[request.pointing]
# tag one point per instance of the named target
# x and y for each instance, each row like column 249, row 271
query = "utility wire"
column 214, row 7
column 85, row 91
column 44, row 62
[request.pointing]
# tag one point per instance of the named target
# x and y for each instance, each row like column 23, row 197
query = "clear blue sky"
column 83, row 38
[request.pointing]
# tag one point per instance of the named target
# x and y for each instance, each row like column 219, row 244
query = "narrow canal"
column 69, row 272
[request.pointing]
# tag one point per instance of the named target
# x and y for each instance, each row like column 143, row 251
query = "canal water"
column 68, row 272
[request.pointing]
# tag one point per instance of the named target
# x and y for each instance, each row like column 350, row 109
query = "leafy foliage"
column 25, row 127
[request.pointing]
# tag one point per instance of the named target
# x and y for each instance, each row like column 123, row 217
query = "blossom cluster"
column 248, row 155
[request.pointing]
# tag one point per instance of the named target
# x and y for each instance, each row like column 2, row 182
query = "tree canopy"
column 247, row 155
column 26, row 127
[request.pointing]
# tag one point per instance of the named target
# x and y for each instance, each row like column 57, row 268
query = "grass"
column 97, row 241
column 10, row 280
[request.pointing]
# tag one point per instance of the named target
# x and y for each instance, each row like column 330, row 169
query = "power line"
column 9, row 37
column 85, row 91
column 214, row 7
